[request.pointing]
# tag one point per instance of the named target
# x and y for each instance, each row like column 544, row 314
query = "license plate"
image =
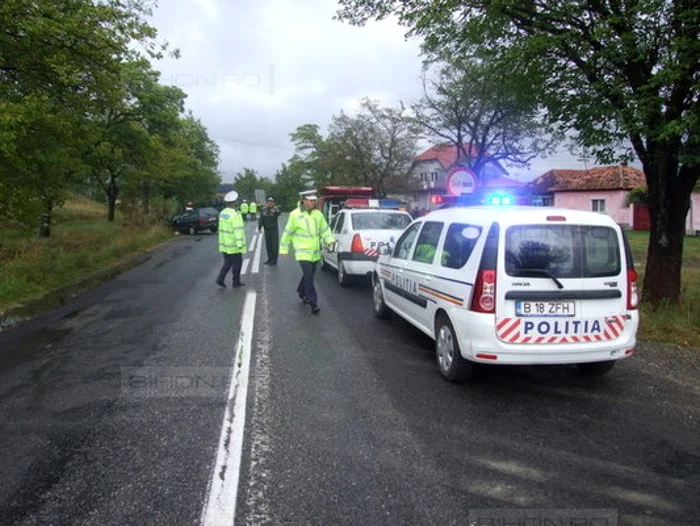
column 545, row 309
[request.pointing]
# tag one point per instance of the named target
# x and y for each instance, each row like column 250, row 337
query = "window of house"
column 423, row 177
column 434, row 177
column 598, row 205
column 542, row 200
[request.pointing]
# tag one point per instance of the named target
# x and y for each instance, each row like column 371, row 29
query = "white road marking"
column 220, row 503
column 246, row 261
column 258, row 253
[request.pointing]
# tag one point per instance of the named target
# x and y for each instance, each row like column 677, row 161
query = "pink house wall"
column 615, row 203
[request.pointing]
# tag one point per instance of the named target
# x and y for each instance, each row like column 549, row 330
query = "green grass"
column 82, row 243
column 677, row 324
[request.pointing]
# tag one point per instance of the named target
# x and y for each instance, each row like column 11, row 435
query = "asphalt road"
column 112, row 409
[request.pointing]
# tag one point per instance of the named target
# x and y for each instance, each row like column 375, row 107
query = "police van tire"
column 380, row 308
column 596, row 368
column 452, row 365
column 343, row 278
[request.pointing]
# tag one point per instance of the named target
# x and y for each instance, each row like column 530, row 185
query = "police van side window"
column 460, row 241
column 405, row 242
column 426, row 247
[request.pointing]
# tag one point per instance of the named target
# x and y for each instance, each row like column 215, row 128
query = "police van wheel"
column 595, row 368
column 343, row 278
column 380, row 308
column 452, row 366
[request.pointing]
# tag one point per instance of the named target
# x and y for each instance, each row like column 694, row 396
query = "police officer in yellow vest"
column 244, row 210
column 253, row 210
column 232, row 242
column 306, row 229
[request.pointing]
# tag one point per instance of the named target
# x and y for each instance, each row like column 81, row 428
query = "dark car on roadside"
column 196, row 220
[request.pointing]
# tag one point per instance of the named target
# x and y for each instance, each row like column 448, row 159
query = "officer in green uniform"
column 306, row 229
column 268, row 221
column 244, row 210
column 232, row 242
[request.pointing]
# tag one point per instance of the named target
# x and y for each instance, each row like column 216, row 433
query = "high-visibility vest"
column 231, row 232
column 253, row 208
column 305, row 230
column 244, row 208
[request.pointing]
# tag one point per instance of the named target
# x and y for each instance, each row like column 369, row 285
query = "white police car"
column 521, row 285
column 359, row 233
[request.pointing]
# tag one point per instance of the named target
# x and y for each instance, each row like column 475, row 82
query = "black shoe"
column 304, row 301
column 269, row 263
column 221, row 283
column 315, row 309
column 239, row 284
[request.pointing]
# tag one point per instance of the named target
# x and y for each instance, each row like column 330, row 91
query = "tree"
column 134, row 111
column 489, row 114
column 370, row 148
column 246, row 183
column 57, row 57
column 289, row 181
column 618, row 72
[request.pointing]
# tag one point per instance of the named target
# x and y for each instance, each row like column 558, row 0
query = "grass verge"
column 82, row 244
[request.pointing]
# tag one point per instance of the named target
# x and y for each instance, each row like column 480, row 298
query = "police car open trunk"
column 556, row 282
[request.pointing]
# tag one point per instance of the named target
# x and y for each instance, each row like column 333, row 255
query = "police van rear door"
column 560, row 283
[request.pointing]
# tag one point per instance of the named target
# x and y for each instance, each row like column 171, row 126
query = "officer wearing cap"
column 232, row 243
column 306, row 229
column 268, row 221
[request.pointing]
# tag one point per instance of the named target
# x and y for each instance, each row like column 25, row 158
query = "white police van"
column 520, row 285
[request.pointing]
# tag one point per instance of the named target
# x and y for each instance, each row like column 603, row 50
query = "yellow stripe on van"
column 443, row 296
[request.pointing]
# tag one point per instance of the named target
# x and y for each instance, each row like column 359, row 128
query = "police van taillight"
column 632, row 276
column 632, row 289
column 484, row 297
column 484, row 294
column 356, row 245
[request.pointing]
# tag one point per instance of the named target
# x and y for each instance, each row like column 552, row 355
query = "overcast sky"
column 255, row 70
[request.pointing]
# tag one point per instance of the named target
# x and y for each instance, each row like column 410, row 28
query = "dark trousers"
column 232, row 262
column 306, row 288
column 272, row 244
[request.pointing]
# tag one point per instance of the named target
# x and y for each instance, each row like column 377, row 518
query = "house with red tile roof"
column 603, row 189
column 431, row 168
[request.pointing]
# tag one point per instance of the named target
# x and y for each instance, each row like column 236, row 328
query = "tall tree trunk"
column 146, row 198
column 112, row 192
column 669, row 201
column 45, row 221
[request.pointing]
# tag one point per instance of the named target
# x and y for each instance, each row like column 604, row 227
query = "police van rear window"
column 380, row 221
column 563, row 251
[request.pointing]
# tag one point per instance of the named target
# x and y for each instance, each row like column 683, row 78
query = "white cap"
column 270, row 198
column 231, row 196
column 309, row 194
